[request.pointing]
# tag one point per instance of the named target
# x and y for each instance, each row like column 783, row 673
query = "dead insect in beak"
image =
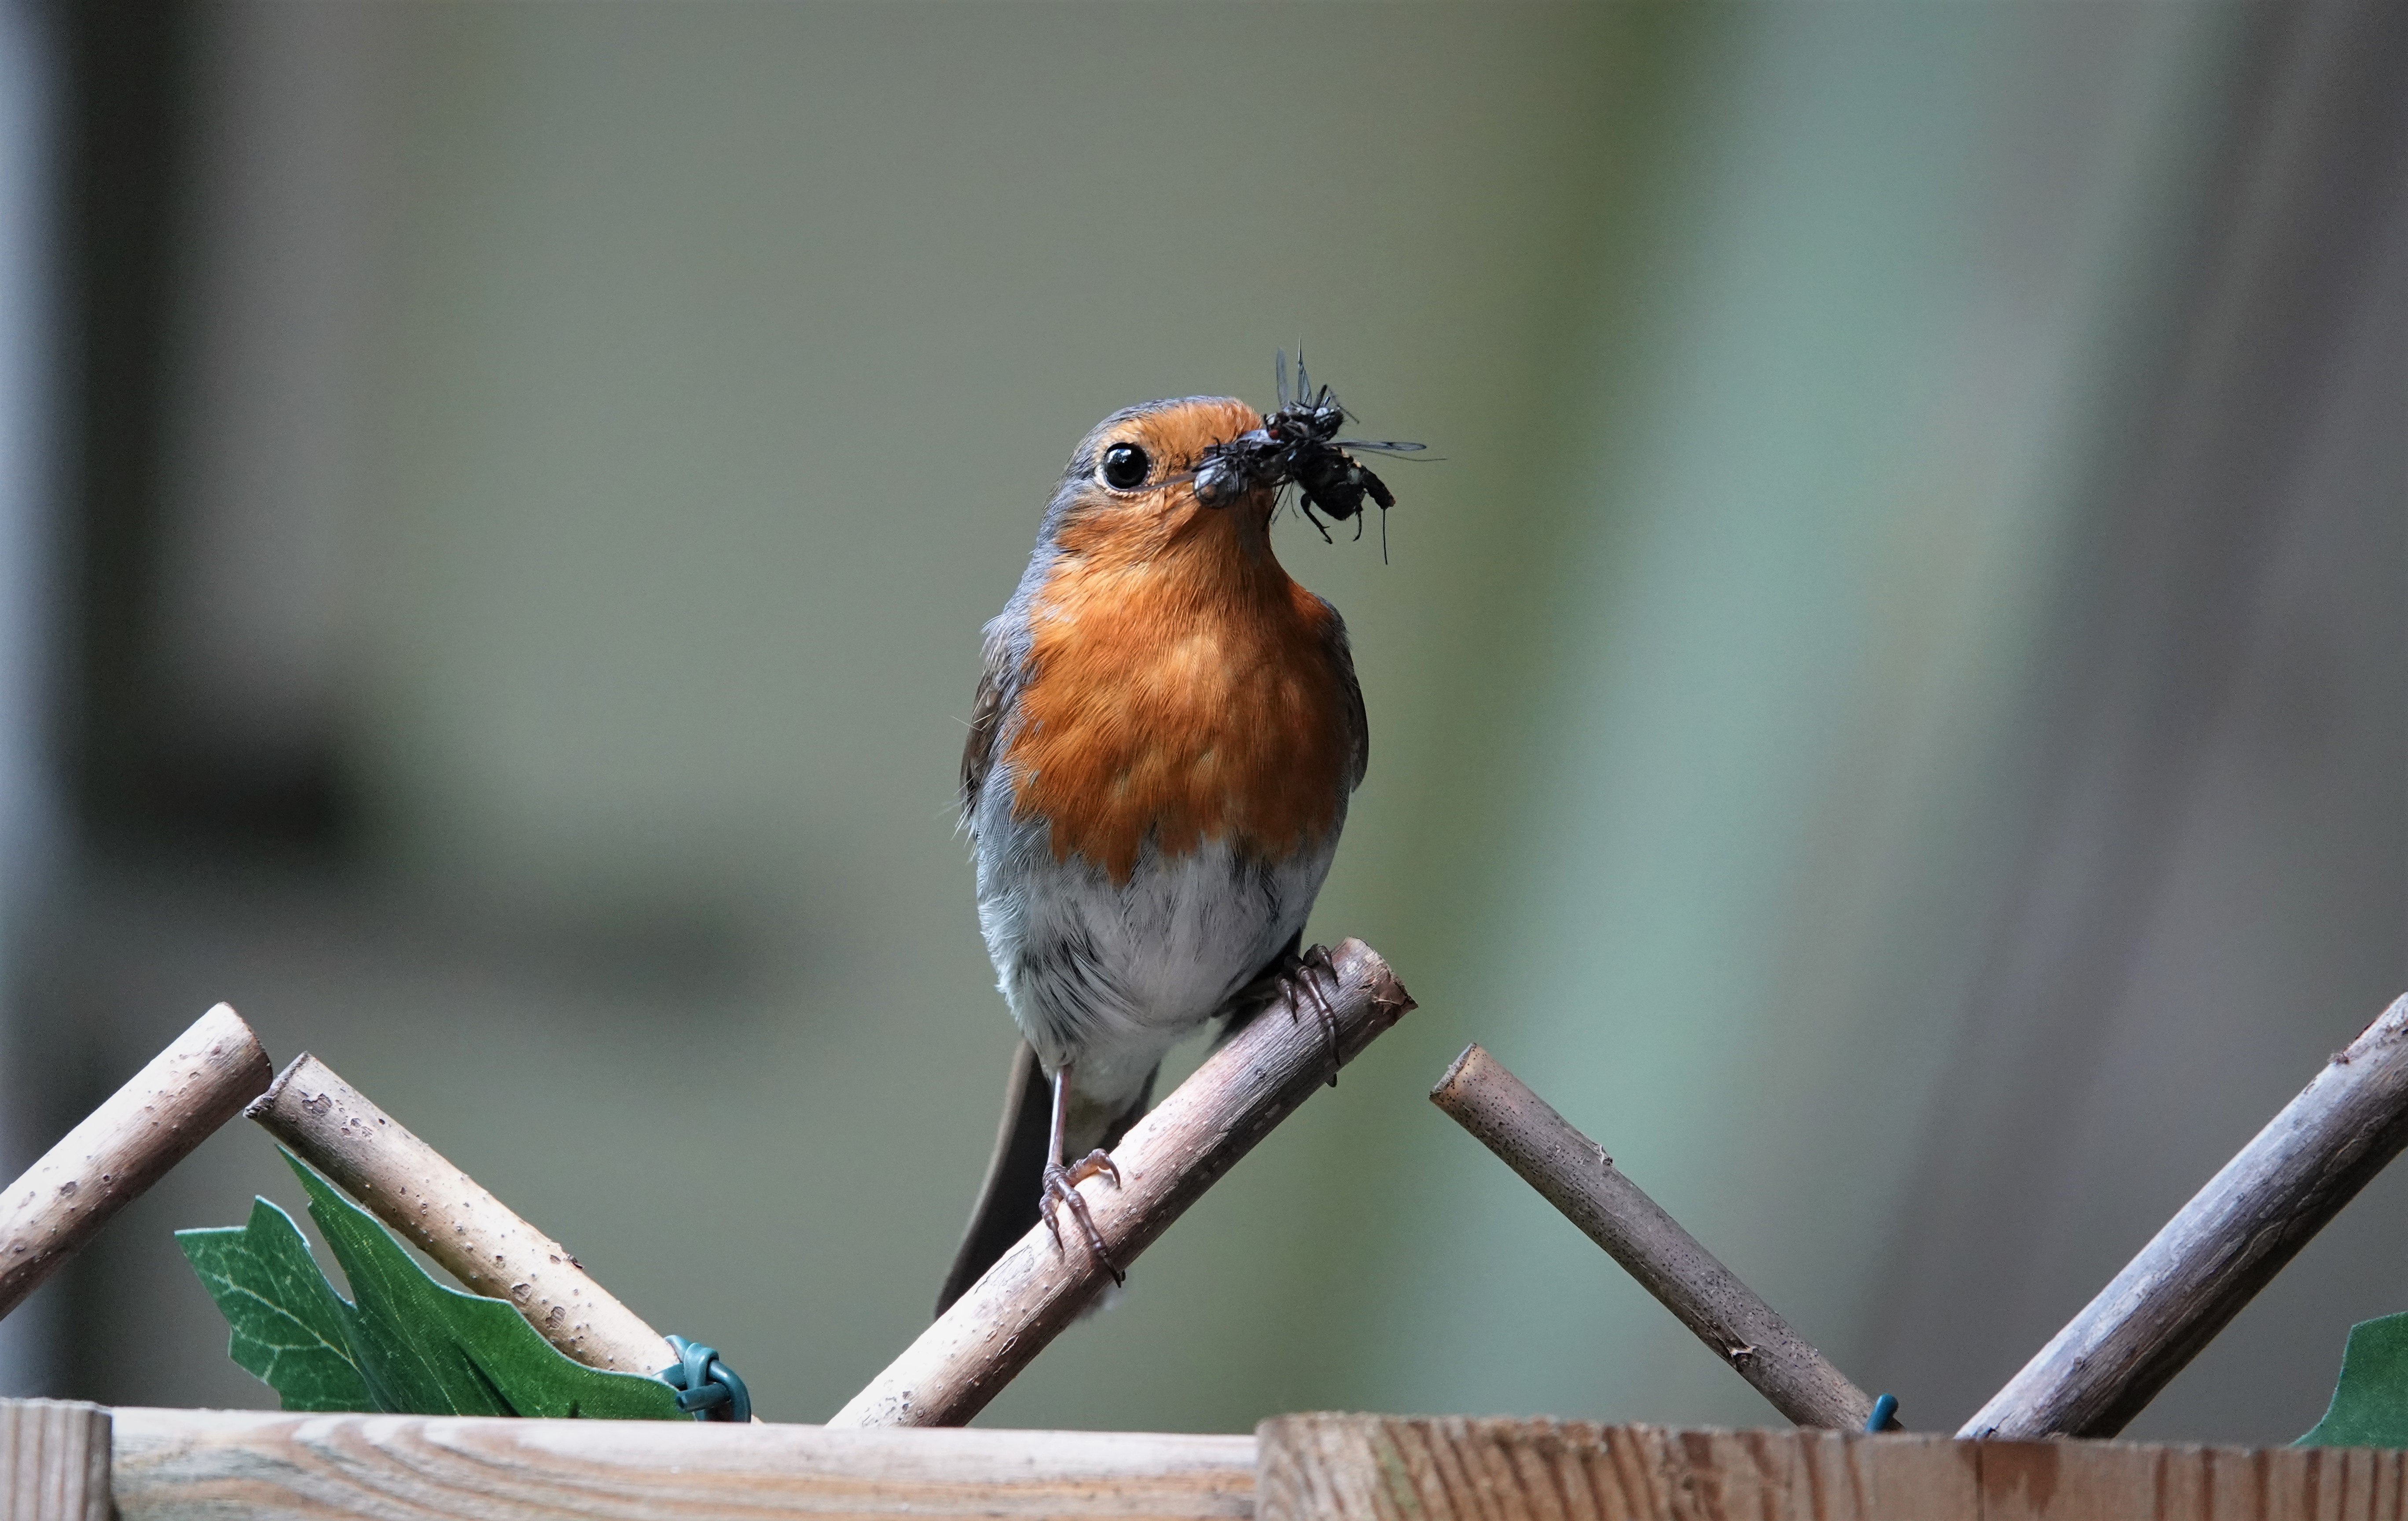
column 1298, row 445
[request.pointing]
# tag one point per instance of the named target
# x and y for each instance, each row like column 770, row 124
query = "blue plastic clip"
column 708, row 1389
column 1883, row 1418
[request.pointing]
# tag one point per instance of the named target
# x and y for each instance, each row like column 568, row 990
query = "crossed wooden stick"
column 2093, row 1377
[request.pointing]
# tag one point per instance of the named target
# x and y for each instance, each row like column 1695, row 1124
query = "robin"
column 1166, row 734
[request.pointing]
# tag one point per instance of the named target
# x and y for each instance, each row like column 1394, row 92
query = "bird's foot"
column 1297, row 978
column 1062, row 1188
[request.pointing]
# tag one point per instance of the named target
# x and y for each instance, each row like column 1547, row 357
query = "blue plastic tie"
column 708, row 1389
column 1883, row 1418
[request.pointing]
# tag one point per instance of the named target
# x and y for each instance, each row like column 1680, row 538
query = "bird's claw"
column 1062, row 1187
column 1298, row 979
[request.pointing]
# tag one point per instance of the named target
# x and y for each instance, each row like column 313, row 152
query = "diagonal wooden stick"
column 2214, row 1256
column 1257, row 1078
column 128, row 1143
column 1573, row 1173
column 409, row 1186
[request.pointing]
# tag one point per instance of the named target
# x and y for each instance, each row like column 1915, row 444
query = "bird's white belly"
column 1110, row 977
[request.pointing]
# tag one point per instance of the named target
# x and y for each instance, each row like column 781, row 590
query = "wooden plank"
column 246, row 1466
column 2310, row 1484
column 54, row 1460
column 1376, row 1467
column 2081, row 1481
column 2112, row 1481
column 1852, row 1477
column 1346, row 1468
column 267, row 1466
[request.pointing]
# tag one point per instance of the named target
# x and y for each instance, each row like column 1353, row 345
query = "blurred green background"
column 1891, row 711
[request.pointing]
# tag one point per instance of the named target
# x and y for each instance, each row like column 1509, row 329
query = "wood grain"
column 54, row 1460
column 2115, row 1481
column 1372, row 1468
column 2214, row 1256
column 477, row 1237
column 1257, row 1078
column 173, row 1465
column 1353, row 1468
column 201, row 1080
column 1575, row 1175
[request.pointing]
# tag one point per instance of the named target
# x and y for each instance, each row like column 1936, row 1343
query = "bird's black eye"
column 1125, row 467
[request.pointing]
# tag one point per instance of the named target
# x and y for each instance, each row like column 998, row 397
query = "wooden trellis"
column 896, row 1449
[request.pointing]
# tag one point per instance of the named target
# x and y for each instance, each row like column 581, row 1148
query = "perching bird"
column 1166, row 734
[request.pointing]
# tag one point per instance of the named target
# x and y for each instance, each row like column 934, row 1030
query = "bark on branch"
column 124, row 1146
column 1256, row 1079
column 1573, row 1173
column 2224, row 1246
column 409, row 1186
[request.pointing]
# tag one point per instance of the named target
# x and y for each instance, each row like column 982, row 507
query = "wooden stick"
column 267, row 1466
column 124, row 1146
column 409, row 1186
column 1257, row 1078
column 1573, row 1173
column 2227, row 1243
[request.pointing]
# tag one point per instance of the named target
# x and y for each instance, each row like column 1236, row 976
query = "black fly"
column 1299, row 444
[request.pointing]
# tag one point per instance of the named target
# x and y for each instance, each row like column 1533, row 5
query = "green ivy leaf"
column 287, row 1320
column 435, row 1351
column 2369, row 1402
column 408, row 1344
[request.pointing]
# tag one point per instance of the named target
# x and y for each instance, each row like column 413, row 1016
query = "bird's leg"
column 1295, row 975
column 1062, row 1184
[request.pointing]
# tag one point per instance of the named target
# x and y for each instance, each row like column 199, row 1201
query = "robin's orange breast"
column 1184, row 698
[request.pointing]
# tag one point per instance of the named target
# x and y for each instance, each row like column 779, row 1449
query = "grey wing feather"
column 986, row 722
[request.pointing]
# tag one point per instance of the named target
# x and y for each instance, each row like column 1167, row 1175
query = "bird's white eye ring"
column 1124, row 467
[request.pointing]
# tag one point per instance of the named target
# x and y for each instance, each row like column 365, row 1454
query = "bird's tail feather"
column 1007, row 1206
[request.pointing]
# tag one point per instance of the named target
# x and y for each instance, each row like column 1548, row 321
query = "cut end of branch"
column 267, row 1101
column 1441, row 1093
column 203, row 1079
column 1389, row 1000
column 2386, row 1028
